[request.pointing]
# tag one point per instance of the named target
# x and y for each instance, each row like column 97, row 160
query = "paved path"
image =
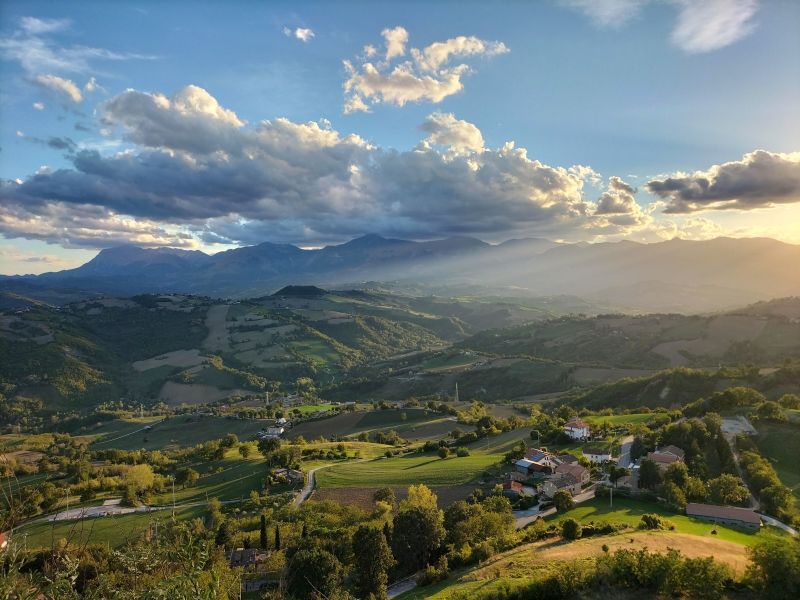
column 402, row 586
column 311, row 480
column 775, row 523
column 625, row 452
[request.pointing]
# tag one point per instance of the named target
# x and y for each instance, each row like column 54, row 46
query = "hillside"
column 673, row 276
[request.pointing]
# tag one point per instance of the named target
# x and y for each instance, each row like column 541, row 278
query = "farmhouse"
column 523, row 466
column 746, row 518
column 562, row 481
column 579, row 472
column 270, row 432
column 597, row 455
column 512, row 489
column 665, row 456
column 247, row 557
column 290, row 475
column 577, row 429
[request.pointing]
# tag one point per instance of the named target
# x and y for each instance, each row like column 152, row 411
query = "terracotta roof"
column 563, row 480
column 512, row 485
column 575, row 470
column 662, row 458
column 576, row 422
column 672, row 450
column 712, row 511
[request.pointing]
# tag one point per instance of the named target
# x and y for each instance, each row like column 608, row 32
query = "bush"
column 571, row 529
column 462, row 452
column 654, row 521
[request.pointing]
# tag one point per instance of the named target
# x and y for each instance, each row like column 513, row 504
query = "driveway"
column 625, row 452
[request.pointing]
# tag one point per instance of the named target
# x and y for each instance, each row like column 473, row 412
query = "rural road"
column 311, row 481
column 402, row 586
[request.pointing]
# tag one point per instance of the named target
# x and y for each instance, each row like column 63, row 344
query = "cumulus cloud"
column 429, row 76
column 759, row 179
column 396, row 39
column 459, row 136
column 38, row 105
column 303, row 34
column 712, row 24
column 63, row 87
column 200, row 173
column 618, row 199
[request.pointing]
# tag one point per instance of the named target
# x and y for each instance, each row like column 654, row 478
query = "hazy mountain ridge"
column 676, row 275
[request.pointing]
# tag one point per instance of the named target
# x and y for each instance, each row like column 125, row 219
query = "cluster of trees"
column 706, row 453
column 776, row 499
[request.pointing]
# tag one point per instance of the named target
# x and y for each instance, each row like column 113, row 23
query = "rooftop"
column 713, row 511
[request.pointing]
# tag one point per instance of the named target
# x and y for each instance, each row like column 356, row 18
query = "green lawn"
column 619, row 420
column 406, row 470
column 629, row 512
column 780, row 443
column 113, row 530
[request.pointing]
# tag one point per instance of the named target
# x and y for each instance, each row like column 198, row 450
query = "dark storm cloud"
column 760, row 179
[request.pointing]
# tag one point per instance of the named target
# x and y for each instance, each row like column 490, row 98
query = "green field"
column 448, row 361
column 407, row 470
column 620, row 420
column 310, row 409
column 780, row 443
column 175, row 431
column 112, row 530
column 629, row 512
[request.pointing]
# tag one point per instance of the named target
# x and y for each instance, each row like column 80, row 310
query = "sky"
column 210, row 125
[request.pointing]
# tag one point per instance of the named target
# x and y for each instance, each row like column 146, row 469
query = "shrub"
column 571, row 529
column 462, row 452
column 654, row 521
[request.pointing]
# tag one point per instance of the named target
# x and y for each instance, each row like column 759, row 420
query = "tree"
column 416, row 536
column 563, row 501
column 727, row 489
column 262, row 538
column 229, row 441
column 313, row 573
column 443, row 452
column 277, row 537
column 224, row 534
column 244, row 450
column 141, row 477
column 186, row 477
column 268, row 445
column 637, row 448
column 571, row 529
column 420, row 496
column 774, row 569
column 791, row 401
column 771, row 411
column 385, row 494
column 674, row 495
column 677, row 473
column 649, row 474
column 373, row 559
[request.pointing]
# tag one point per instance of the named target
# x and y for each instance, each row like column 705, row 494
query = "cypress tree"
column 277, row 537
column 263, row 537
column 304, row 533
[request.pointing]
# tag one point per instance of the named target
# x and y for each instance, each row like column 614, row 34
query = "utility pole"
column 456, row 399
column 611, row 497
column 172, row 477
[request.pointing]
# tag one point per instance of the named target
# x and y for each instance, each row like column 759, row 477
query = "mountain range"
column 675, row 275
